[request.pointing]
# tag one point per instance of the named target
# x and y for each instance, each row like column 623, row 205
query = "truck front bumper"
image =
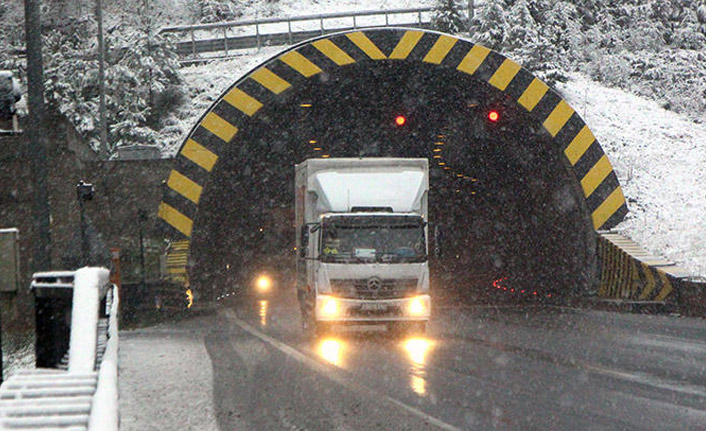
column 334, row 309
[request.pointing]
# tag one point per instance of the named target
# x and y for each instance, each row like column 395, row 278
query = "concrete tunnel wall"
column 215, row 151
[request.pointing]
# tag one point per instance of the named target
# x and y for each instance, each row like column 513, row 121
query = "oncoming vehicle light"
column 263, row 283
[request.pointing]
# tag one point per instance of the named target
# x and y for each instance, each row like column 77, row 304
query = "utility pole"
column 36, row 133
column 101, row 83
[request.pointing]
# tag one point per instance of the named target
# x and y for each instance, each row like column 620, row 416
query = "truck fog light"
column 330, row 307
column 416, row 307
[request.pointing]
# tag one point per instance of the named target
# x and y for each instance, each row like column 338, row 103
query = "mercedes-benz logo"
column 374, row 283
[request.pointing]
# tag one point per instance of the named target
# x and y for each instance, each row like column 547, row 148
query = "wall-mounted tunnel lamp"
column 494, row 116
column 400, row 120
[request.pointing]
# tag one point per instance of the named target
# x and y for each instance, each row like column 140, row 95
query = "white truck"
column 362, row 229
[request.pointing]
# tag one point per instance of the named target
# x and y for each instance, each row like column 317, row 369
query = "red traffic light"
column 493, row 116
column 400, row 120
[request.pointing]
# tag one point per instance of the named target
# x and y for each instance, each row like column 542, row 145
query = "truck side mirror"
column 303, row 240
column 437, row 241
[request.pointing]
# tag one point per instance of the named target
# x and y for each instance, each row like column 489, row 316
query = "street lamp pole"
column 84, row 192
column 142, row 217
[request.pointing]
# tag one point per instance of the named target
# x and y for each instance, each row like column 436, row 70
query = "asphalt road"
column 479, row 368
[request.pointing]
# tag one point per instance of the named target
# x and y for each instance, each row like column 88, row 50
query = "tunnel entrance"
column 503, row 186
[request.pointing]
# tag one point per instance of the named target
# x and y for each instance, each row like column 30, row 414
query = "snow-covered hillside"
column 660, row 159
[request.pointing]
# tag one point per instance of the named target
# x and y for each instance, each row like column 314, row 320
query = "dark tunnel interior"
column 513, row 219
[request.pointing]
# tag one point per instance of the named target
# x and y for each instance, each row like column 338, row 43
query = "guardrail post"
column 193, row 43
column 225, row 39
column 419, row 17
column 387, row 20
column 354, row 23
column 321, row 22
column 257, row 34
column 289, row 27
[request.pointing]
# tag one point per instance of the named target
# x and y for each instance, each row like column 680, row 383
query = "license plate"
column 373, row 307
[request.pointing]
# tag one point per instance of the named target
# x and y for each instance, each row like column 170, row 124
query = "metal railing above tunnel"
column 79, row 391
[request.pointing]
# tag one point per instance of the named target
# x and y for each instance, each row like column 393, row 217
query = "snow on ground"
column 166, row 378
column 660, row 159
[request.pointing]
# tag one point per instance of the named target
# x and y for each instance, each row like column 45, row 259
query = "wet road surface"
column 478, row 368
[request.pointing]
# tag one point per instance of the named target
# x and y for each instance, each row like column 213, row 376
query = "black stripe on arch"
column 180, row 203
column 281, row 69
column 604, row 190
column 231, row 114
column 318, row 58
column 208, row 140
column 588, row 160
column 616, row 218
column 519, row 84
column 489, row 66
column 386, row 41
column 568, row 132
column 168, row 231
column 456, row 54
column 423, row 46
column 546, row 105
column 253, row 89
column 191, row 170
column 350, row 48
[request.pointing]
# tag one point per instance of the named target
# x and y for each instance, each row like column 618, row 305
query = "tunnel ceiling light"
column 439, row 143
column 494, row 116
column 325, row 156
column 317, row 149
column 436, row 150
column 312, row 141
column 305, row 105
column 400, row 120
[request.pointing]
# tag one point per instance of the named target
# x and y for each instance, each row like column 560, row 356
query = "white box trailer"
column 362, row 242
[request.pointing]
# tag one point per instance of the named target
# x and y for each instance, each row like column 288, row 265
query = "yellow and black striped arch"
column 327, row 55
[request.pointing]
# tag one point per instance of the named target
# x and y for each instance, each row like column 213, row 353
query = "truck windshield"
column 363, row 239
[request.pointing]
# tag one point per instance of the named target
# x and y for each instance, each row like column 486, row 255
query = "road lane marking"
column 328, row 373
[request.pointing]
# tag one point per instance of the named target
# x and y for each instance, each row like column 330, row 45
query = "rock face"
column 10, row 93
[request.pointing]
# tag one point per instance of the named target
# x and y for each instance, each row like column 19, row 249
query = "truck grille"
column 375, row 289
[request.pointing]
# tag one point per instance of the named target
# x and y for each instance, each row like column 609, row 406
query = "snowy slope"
column 660, row 159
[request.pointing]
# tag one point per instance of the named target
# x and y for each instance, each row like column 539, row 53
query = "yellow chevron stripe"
column 243, row 101
column 596, row 175
column 366, row 45
column 300, row 63
column 667, row 286
column 176, row 270
column 559, row 116
column 270, row 80
column 175, row 218
column 502, row 77
column 441, row 48
column 607, row 208
column 219, row 127
column 330, row 50
column 472, row 61
column 184, row 186
column 180, row 245
column 579, row 145
column 199, row 154
column 405, row 46
column 650, row 284
column 533, row 94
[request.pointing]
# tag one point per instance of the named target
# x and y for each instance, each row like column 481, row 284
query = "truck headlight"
column 330, row 307
column 417, row 307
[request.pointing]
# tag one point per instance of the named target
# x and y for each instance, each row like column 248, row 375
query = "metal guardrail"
column 205, row 38
column 84, row 395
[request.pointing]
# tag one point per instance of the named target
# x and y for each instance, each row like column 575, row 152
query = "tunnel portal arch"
column 454, row 69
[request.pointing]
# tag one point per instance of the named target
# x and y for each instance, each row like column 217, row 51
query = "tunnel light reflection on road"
column 331, row 350
column 417, row 349
column 263, row 313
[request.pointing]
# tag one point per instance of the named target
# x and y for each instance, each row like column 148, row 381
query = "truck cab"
column 363, row 242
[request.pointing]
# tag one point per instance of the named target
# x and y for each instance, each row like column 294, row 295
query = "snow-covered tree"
column 209, row 11
column 448, row 18
column 489, row 27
